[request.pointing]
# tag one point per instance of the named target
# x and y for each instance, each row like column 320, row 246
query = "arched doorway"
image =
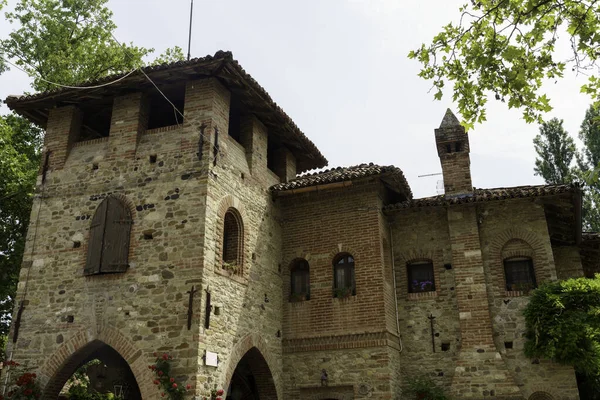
column 109, row 374
column 252, row 379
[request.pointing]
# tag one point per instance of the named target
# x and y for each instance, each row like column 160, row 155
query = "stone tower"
column 453, row 148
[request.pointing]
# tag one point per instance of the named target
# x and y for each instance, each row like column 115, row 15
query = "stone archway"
column 252, row 379
column 113, row 371
column 71, row 354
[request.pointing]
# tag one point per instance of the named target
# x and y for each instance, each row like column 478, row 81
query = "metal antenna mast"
column 190, row 36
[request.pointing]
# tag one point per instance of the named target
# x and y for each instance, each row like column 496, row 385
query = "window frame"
column 420, row 286
column 233, row 264
column 300, row 268
column 522, row 286
column 347, row 263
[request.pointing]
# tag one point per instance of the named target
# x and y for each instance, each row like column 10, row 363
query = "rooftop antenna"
column 190, row 36
column 439, row 188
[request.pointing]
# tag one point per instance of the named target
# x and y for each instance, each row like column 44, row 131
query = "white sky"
column 339, row 69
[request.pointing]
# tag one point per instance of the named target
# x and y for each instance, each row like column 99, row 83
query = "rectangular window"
column 519, row 274
column 420, row 277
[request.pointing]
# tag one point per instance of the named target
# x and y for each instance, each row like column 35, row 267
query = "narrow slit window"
column 232, row 241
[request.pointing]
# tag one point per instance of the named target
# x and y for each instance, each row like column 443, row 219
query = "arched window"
column 108, row 247
column 233, row 233
column 300, row 280
column 420, row 276
column 519, row 274
column 344, row 283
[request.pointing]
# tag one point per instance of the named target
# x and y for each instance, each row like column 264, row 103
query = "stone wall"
column 175, row 198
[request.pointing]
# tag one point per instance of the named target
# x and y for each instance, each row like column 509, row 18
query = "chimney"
column 453, row 149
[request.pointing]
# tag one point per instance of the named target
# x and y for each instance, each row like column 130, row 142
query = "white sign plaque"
column 211, row 359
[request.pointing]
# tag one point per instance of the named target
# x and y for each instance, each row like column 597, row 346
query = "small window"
column 300, row 281
column 519, row 274
column 344, row 284
column 458, row 146
column 232, row 241
column 235, row 118
column 420, row 277
column 108, row 248
column 161, row 112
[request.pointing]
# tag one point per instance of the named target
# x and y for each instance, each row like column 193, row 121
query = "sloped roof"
column 391, row 175
column 221, row 66
column 482, row 195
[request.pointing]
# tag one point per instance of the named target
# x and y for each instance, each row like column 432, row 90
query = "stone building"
column 186, row 226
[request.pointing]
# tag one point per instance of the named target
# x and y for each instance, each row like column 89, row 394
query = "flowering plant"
column 422, row 286
column 215, row 394
column 162, row 370
column 24, row 387
column 343, row 293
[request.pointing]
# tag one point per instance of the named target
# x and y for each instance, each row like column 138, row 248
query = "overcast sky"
column 339, row 69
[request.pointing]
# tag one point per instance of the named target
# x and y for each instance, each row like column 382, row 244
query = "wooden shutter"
column 115, row 252
column 94, row 256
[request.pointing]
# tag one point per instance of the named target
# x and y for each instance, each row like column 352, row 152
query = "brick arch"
column 67, row 358
column 231, row 203
column 515, row 242
column 253, row 342
column 127, row 202
column 414, row 255
column 541, row 395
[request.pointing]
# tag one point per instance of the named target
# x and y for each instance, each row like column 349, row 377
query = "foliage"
column 215, row 394
column 19, row 160
column 342, row 293
column 67, row 41
column 556, row 150
column 170, row 55
column 79, row 385
column 509, row 48
column 3, row 341
column 563, row 324
column 162, row 371
column 24, row 386
column 424, row 388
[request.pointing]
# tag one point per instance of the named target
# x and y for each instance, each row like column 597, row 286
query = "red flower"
column 219, row 398
column 188, row 387
column 160, row 373
column 156, row 382
column 174, row 386
column 220, row 392
column 172, row 380
column 165, row 356
column 162, row 395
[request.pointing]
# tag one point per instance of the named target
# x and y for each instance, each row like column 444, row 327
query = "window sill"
column 232, row 276
column 344, row 299
column 515, row 293
column 422, row 295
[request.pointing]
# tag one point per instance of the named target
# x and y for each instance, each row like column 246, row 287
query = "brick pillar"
column 254, row 137
column 129, row 120
column 206, row 108
column 453, row 149
column 480, row 370
column 285, row 164
column 64, row 125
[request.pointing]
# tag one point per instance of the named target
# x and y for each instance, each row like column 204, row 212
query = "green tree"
column 587, row 161
column 563, row 324
column 67, row 42
column 509, row 48
column 555, row 149
column 19, row 161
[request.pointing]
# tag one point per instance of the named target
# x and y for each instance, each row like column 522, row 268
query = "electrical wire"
column 67, row 86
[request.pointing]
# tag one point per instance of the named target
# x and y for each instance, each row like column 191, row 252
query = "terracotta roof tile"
column 221, row 65
column 481, row 195
column 393, row 176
